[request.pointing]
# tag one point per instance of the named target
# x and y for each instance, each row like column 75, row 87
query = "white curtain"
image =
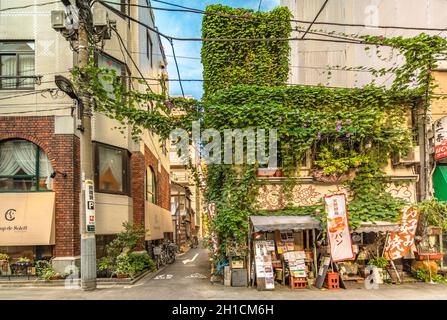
column 45, row 170
column 25, row 156
column 9, row 68
column 111, row 159
column 26, row 68
column 8, row 164
column 20, row 154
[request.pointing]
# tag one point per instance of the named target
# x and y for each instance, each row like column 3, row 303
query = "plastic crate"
column 298, row 283
column 332, row 281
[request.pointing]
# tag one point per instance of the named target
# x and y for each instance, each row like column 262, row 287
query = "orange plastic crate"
column 298, row 283
column 332, row 281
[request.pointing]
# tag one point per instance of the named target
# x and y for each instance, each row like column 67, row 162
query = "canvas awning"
column 27, row 219
column 282, row 223
column 377, row 226
column 157, row 221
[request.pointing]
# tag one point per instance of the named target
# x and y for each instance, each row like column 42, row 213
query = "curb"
column 101, row 282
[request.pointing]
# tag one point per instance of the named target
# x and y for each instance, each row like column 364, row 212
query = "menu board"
column 263, row 263
column 296, row 262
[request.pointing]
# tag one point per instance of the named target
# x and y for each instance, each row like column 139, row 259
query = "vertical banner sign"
column 89, row 206
column 338, row 228
column 400, row 241
column 441, row 138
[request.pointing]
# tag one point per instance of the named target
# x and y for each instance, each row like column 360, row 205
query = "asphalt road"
column 189, row 278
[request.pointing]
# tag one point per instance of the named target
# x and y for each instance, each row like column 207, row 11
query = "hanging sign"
column 90, row 221
column 441, row 138
column 400, row 241
column 338, row 228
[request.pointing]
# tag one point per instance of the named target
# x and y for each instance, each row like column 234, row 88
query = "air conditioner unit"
column 58, row 19
column 413, row 156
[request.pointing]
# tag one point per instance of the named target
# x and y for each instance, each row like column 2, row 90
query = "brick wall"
column 64, row 154
column 139, row 165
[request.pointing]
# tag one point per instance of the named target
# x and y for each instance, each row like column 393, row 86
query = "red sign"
column 441, row 138
column 338, row 228
column 400, row 241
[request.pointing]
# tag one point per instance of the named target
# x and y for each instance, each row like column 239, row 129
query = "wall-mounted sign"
column 27, row 218
column 338, row 228
column 441, row 138
column 90, row 220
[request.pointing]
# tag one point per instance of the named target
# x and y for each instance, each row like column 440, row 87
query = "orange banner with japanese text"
column 400, row 241
column 338, row 231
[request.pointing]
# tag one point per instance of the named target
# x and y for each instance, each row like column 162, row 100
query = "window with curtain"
column 111, row 169
column 104, row 61
column 24, row 167
column 151, row 185
column 17, row 67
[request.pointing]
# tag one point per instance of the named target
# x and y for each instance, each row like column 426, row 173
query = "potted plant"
column 123, row 267
column 4, row 258
column 380, row 263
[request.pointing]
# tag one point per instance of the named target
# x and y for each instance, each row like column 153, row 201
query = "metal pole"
column 88, row 241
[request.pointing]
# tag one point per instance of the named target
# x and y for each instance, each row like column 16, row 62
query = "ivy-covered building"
column 362, row 141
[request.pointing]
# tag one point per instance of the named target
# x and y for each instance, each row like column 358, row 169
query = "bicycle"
column 165, row 253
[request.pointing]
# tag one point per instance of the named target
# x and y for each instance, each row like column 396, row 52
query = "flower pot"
column 266, row 172
column 122, row 276
column 279, row 173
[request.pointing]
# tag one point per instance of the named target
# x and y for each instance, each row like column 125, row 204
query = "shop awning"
column 157, row 221
column 272, row 223
column 27, row 219
column 440, row 182
column 377, row 226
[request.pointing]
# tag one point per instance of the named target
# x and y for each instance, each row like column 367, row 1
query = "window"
column 118, row 5
column 107, row 62
column 24, row 167
column 151, row 185
column 111, row 169
column 17, row 65
column 149, row 47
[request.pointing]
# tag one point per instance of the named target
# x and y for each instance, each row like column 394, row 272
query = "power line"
column 32, row 111
column 27, row 94
column 178, row 70
column 315, row 19
column 30, row 5
column 194, row 10
column 130, row 56
column 169, row 38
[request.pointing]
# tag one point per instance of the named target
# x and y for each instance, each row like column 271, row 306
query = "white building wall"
column 309, row 59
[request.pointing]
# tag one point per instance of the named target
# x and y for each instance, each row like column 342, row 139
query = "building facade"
column 40, row 175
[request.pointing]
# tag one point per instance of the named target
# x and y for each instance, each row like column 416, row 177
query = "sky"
column 185, row 24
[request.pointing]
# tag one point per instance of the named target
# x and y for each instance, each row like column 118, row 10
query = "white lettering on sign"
column 441, row 138
column 90, row 220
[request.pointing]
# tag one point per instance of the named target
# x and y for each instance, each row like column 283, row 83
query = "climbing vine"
column 228, row 63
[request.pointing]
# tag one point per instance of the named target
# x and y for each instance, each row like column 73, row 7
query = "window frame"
column 25, row 176
column 149, row 48
column 125, row 72
column 125, row 159
column 17, row 54
column 153, row 192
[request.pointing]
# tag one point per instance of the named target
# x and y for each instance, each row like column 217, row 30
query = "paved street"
column 190, row 280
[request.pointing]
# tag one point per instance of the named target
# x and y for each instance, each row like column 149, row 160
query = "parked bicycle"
column 165, row 253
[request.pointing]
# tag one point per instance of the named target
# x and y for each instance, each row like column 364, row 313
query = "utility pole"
column 82, row 27
column 88, row 239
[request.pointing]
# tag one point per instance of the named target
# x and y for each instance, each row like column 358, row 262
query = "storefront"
column 283, row 248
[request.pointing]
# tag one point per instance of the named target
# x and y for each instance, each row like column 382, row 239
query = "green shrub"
column 379, row 262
